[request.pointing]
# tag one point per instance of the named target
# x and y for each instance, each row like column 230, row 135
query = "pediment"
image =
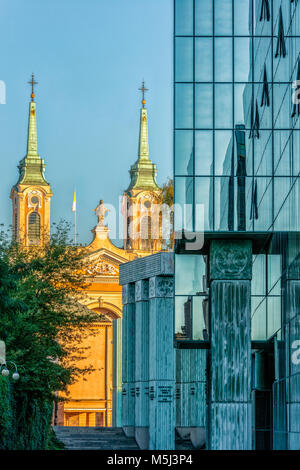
column 104, row 263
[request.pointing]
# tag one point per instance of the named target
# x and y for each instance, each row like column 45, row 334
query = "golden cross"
column 32, row 83
column 143, row 90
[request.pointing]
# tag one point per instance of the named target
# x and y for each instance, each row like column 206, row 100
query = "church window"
column 34, row 200
column 34, row 228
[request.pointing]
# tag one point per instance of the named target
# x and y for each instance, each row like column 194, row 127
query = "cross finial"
column 143, row 89
column 32, row 83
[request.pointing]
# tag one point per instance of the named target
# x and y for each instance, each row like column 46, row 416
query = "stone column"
column 229, row 411
column 290, row 422
column 191, row 395
column 128, row 360
column 117, row 373
column 142, row 363
column 161, row 364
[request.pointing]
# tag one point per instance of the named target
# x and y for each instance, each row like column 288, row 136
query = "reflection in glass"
column 203, row 17
column 203, row 106
column 204, row 196
column 184, row 60
column 223, row 152
column 200, row 318
column 223, row 17
column 184, row 17
column 274, row 274
column 258, row 283
column 223, row 60
column 184, row 203
column 259, row 319
column 274, row 315
column 184, row 106
column 204, row 152
column 241, row 17
column 242, row 60
column 180, row 303
column 184, row 152
column 264, row 203
column 223, row 106
column 191, row 318
column 239, row 98
column 263, row 157
column 189, row 274
column 203, row 59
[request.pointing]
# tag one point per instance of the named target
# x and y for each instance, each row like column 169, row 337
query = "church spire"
column 143, row 139
column 143, row 172
column 32, row 134
column 32, row 166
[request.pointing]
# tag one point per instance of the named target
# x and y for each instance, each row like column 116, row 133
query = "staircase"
column 89, row 438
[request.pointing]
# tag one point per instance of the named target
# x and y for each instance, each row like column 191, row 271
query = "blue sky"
column 89, row 57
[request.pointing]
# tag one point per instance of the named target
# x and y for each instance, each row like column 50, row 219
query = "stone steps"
column 94, row 438
column 101, row 438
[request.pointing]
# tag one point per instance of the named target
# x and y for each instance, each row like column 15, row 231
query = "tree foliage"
column 42, row 321
column 167, row 197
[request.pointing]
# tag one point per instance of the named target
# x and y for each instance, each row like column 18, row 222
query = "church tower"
column 32, row 193
column 142, row 227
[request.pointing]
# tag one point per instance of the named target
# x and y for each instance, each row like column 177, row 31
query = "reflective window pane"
column 240, row 99
column 223, row 152
column 274, row 315
column 203, row 153
column 263, row 155
column 203, row 17
column 203, row 106
column 184, row 152
column 184, row 17
column 200, row 317
column 258, row 319
column 204, row 198
column 242, row 17
column 203, row 59
column 223, row 59
column 189, row 274
column 183, row 203
column 264, row 199
column 223, row 106
column 184, row 59
column 242, row 60
column 259, row 271
column 223, row 17
column 274, row 274
column 184, row 106
column 181, row 306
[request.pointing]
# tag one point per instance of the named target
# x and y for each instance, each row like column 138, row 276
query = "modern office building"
column 237, row 161
column 223, row 372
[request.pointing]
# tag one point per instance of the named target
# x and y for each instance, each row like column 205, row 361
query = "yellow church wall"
column 91, row 396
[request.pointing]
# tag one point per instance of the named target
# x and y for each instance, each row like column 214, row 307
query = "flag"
column 74, row 202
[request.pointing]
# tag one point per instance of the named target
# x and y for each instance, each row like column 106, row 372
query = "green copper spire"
column 143, row 171
column 32, row 166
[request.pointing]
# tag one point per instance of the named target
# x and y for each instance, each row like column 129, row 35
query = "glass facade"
column 237, row 164
column 237, row 139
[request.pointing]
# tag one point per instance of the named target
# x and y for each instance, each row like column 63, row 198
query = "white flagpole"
column 75, row 229
column 74, row 209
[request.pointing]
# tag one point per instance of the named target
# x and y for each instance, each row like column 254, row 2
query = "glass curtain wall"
column 236, row 143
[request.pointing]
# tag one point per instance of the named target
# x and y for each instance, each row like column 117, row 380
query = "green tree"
column 43, row 325
column 167, row 197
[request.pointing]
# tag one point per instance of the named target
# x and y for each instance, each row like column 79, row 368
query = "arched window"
column 34, row 228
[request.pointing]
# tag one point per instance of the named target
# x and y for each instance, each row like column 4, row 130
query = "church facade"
column 95, row 400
